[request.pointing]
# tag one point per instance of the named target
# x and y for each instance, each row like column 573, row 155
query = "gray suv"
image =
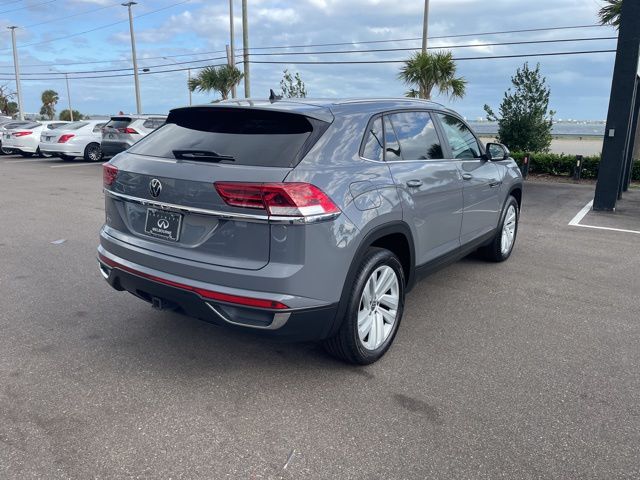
column 122, row 131
column 309, row 220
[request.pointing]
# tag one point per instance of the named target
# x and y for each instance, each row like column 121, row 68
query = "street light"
column 66, row 77
column 188, row 76
column 133, row 55
column 16, row 67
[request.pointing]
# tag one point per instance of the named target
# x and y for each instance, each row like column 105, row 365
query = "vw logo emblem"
column 163, row 224
column 155, row 187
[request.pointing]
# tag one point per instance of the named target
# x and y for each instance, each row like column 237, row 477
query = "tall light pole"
column 133, row 55
column 16, row 67
column 232, row 59
column 425, row 26
column 66, row 78
column 188, row 76
column 245, row 49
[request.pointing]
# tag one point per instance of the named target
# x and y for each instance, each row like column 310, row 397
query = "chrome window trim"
column 246, row 217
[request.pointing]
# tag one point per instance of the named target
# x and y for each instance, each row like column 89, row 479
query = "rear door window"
column 153, row 123
column 417, row 136
column 374, row 141
column 98, row 127
column 461, row 139
column 391, row 145
column 236, row 136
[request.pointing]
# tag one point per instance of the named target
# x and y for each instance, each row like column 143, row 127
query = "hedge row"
column 564, row 165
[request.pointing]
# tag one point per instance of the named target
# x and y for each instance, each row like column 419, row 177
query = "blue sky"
column 580, row 84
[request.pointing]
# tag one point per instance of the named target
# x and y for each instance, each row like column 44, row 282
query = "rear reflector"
column 65, row 138
column 204, row 293
column 21, row 134
column 281, row 199
column 109, row 174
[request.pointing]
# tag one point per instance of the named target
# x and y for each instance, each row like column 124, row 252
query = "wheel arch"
column 394, row 236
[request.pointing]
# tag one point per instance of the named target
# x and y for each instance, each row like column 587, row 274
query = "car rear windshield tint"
column 232, row 135
column 118, row 123
column 74, row 125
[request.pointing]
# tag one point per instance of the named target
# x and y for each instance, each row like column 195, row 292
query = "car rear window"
column 75, row 125
column 118, row 123
column 253, row 137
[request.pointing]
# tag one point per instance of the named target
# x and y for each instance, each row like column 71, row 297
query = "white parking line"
column 581, row 214
column 69, row 165
column 575, row 221
column 24, row 160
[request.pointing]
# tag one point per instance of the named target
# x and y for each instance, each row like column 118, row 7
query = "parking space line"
column 25, row 160
column 575, row 221
column 69, row 165
column 581, row 214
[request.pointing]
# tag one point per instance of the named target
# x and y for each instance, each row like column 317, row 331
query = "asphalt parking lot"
column 527, row 369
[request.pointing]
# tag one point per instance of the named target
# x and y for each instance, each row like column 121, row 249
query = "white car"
column 25, row 139
column 77, row 139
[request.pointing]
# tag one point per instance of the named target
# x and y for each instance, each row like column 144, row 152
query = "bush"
column 563, row 165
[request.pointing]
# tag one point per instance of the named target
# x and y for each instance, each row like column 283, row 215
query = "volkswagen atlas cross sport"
column 302, row 219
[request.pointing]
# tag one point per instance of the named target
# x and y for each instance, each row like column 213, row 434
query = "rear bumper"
column 61, row 148
column 111, row 148
column 163, row 291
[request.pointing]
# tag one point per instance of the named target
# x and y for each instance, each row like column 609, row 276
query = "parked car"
column 77, row 139
column 8, row 125
column 307, row 220
column 122, row 131
column 25, row 139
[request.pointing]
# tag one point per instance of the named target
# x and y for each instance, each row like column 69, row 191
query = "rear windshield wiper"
column 202, row 156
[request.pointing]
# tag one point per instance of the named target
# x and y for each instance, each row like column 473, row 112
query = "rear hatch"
column 163, row 196
column 119, row 130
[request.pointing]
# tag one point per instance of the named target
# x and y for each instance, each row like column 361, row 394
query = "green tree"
column 7, row 106
column 11, row 108
column 292, row 86
column 65, row 117
column 525, row 119
column 610, row 13
column 427, row 71
column 221, row 79
column 49, row 100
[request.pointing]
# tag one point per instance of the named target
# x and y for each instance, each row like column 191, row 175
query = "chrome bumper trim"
column 279, row 319
column 245, row 217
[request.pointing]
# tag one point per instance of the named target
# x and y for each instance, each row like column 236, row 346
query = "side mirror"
column 497, row 151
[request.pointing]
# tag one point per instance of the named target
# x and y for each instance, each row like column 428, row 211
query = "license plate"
column 48, row 139
column 163, row 224
column 7, row 136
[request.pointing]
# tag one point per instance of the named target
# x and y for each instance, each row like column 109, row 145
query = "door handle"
column 495, row 184
column 414, row 183
column 467, row 176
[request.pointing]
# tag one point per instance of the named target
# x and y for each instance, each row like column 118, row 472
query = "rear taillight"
column 128, row 130
column 21, row 134
column 281, row 199
column 109, row 174
column 65, row 138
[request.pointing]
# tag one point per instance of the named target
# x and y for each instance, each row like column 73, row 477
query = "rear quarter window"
column 237, row 136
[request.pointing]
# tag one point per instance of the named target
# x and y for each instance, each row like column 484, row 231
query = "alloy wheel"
column 378, row 309
column 508, row 230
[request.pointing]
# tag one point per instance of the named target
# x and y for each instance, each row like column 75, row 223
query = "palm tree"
column 610, row 13
column 429, row 70
column 49, row 100
column 221, row 79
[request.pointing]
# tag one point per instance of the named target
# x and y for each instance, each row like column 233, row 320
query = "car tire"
column 65, row 157
column 367, row 332
column 92, row 152
column 502, row 244
column 26, row 154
